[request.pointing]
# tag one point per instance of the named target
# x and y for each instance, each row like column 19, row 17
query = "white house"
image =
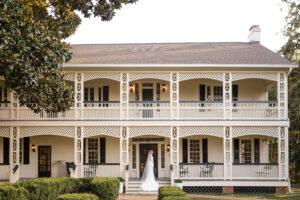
column 203, row 109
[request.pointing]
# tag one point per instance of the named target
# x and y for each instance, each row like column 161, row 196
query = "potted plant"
column 121, row 184
column 178, row 183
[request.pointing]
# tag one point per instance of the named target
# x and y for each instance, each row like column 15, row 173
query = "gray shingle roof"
column 176, row 53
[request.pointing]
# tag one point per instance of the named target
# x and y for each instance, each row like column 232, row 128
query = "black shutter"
column 184, row 150
column 236, row 151
column 202, row 93
column 235, row 92
column 91, row 94
column 204, row 151
column 102, row 150
column 99, row 94
column 6, row 150
column 256, row 151
column 26, row 150
column 84, row 150
column 86, row 94
column 105, row 93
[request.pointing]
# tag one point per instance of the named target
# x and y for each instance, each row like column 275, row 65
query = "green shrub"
column 178, row 181
column 76, row 196
column 166, row 191
column 106, row 188
column 10, row 192
column 121, row 179
column 175, row 198
column 84, row 185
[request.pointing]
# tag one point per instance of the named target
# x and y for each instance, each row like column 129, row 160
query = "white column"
column 227, row 96
column 227, row 144
column 124, row 154
column 78, row 151
column 79, row 95
column 174, row 95
column 14, row 155
column 14, row 105
column 283, row 166
column 124, row 95
column 282, row 96
column 174, row 153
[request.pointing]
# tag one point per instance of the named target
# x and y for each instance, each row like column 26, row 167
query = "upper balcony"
column 164, row 96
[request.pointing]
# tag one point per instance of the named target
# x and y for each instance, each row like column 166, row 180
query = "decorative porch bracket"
column 14, row 154
column 283, row 153
column 227, row 143
column 124, row 154
column 78, row 100
column 78, row 152
column 124, row 95
column 282, row 96
column 174, row 155
column 227, row 105
column 174, row 95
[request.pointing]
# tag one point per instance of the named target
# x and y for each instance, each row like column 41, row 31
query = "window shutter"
column 105, row 93
column 86, row 94
column 102, row 150
column 26, row 150
column 92, row 94
column 6, row 150
column 99, row 94
column 202, row 93
column 256, row 151
column 84, row 150
column 184, row 150
column 235, row 92
column 204, row 151
column 236, row 151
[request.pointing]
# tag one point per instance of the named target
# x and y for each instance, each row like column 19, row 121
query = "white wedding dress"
column 148, row 179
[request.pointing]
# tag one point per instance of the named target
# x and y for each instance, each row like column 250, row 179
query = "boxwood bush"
column 10, row 192
column 170, row 191
column 77, row 196
column 106, row 188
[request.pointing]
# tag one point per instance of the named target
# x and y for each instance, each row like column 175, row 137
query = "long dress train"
column 148, row 178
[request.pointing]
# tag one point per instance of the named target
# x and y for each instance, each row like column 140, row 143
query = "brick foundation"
column 280, row 190
column 227, row 189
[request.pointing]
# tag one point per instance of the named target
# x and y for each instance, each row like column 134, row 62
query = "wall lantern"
column 164, row 88
column 131, row 87
column 168, row 147
column 33, row 148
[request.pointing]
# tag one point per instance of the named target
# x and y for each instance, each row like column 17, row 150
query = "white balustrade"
column 27, row 114
column 255, row 171
column 201, row 170
column 4, row 110
column 147, row 110
column 101, row 110
column 201, row 110
column 105, row 170
column 4, row 172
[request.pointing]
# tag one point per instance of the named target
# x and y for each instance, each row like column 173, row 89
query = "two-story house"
column 203, row 108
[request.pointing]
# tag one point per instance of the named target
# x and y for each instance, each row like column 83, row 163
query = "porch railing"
column 4, row 109
column 255, row 171
column 201, row 170
column 4, row 171
column 102, row 170
column 201, row 110
column 101, row 110
column 145, row 110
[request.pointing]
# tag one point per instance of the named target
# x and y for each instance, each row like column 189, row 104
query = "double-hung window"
column 246, row 151
column 93, row 150
column 195, row 151
column 218, row 93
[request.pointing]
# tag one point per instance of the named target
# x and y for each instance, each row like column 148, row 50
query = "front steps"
column 134, row 186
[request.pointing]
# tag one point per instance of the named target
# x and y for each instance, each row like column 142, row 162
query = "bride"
column 148, row 179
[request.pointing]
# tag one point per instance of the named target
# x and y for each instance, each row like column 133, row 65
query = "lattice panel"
column 271, row 131
column 199, row 75
column 253, row 190
column 136, row 131
column 227, row 84
column 34, row 131
column 113, row 131
column 4, row 132
column 202, row 189
column 70, row 76
column 98, row 75
column 161, row 76
column 282, row 95
column 186, row 131
column 244, row 75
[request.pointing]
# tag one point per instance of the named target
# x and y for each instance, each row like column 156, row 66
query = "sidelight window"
column 134, row 156
column 162, row 156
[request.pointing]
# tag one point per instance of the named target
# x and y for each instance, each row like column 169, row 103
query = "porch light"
column 131, row 87
column 164, row 88
column 168, row 147
column 33, row 148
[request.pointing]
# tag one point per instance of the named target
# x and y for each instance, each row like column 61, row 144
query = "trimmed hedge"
column 175, row 198
column 170, row 191
column 10, row 192
column 106, row 188
column 77, row 196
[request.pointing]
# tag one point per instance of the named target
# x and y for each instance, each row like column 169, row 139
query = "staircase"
column 134, row 186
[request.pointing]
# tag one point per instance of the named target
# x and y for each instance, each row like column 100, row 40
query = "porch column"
column 174, row 155
column 124, row 154
column 282, row 98
column 227, row 102
column 79, row 95
column 78, row 152
column 227, row 143
column 124, row 95
column 283, row 160
column 14, row 154
column 14, row 105
column 174, row 95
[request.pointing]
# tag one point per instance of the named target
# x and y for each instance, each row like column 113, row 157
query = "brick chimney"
column 254, row 34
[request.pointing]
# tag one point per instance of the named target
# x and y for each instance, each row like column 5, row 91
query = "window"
column 91, row 94
column 21, row 151
column 86, row 94
column 105, row 93
column 99, row 94
column 194, row 151
column 208, row 93
column 246, row 151
column 137, row 96
column 218, row 93
column 158, row 92
column 93, row 149
column 134, row 156
column 162, row 156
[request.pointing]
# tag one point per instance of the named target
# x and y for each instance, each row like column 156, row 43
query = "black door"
column 147, row 102
column 144, row 150
column 44, row 161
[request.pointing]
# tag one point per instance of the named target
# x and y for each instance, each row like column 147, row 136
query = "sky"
column 165, row 21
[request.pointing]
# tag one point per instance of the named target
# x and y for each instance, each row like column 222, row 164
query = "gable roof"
column 176, row 53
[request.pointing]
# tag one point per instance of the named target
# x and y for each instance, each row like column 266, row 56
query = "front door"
column 147, row 102
column 44, row 161
column 144, row 150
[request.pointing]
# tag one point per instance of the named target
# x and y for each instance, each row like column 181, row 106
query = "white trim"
column 264, row 183
column 185, row 65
